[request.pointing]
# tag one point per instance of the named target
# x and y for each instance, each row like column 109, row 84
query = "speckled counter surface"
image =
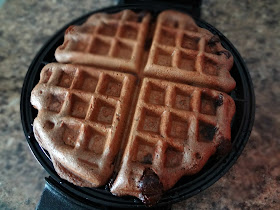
column 252, row 183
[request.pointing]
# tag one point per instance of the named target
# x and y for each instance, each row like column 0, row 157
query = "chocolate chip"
column 213, row 41
column 226, row 53
column 148, row 159
column 150, row 186
column 220, row 100
column 197, row 156
column 224, row 147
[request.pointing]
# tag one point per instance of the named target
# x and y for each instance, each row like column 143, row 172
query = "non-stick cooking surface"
column 188, row 186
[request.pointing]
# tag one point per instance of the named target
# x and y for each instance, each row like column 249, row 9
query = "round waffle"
column 150, row 112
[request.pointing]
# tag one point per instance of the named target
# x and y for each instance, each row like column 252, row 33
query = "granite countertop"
column 252, row 26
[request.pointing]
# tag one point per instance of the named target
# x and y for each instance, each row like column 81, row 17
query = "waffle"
column 182, row 51
column 82, row 111
column 108, row 40
column 157, row 122
column 176, row 128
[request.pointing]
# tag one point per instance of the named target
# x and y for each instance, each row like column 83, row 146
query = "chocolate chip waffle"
column 82, row 111
column 182, row 51
column 152, row 127
column 109, row 40
column 176, row 128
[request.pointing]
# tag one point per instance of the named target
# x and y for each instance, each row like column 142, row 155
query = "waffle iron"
column 59, row 193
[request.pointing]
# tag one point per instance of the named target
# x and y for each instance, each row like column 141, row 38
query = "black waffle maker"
column 60, row 194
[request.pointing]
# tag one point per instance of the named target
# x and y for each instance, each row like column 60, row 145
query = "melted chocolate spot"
column 208, row 131
column 220, row 100
column 197, row 156
column 226, row 53
column 150, row 186
column 224, row 147
column 148, row 159
column 213, row 41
